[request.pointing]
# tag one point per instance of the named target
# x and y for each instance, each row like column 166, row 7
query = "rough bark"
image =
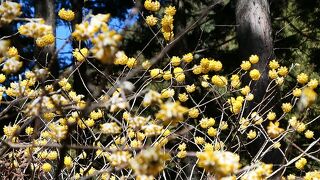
column 46, row 56
column 254, row 33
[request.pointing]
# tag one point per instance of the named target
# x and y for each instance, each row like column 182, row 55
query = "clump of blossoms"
column 9, row 11
column 39, row 30
column 219, row 163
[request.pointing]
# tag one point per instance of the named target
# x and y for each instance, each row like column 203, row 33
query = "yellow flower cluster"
column 149, row 162
column 9, row 10
column 259, row 171
column 110, row 128
column 236, row 104
column 35, row 29
column 167, row 23
column 297, row 125
column 151, row 20
column 301, row 163
column 255, row 74
column 152, row 5
column 171, row 113
column 221, row 163
column 67, row 15
column 219, row 81
column 312, row 175
column 119, row 158
column 12, row 65
column 274, row 130
column 252, row 134
column 45, row 40
column 81, row 54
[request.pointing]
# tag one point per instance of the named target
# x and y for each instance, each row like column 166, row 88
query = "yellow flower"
column 2, row 78
column 193, row 113
column 252, row 134
column 297, row 92
column 215, row 65
column 286, row 107
column 309, row 134
column 167, row 23
column 255, row 74
column 12, row 51
column 170, row 10
column 277, row 145
column 211, row 122
column 121, row 58
column 96, row 114
column 183, row 97
column 273, row 64
column 245, row 90
column 152, row 5
column 187, row 57
column 46, row 167
column 151, row 20
column 132, row 62
column 175, row 61
column 219, row 81
column 254, row 59
column 301, row 163
column 29, row 130
column 273, row 74
column 81, row 54
column 271, row 116
column 178, row 74
column 249, row 97
column 68, row 162
column 182, row 147
column 182, row 154
column 245, row 65
column 196, row 69
column 312, row 175
column 313, row 83
column 67, row 15
column 190, row 88
column 283, row 71
column 223, row 125
column 52, row 155
column 45, row 40
column 168, row 36
column 167, row 93
column 199, row 140
column 300, row 127
column 156, row 73
column 302, row 78
column 274, row 130
column 167, row 75
column 221, row 163
column 235, row 81
column 212, row 132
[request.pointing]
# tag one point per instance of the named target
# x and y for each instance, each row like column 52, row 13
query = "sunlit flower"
column 67, row 15
column 254, row 59
column 302, row 78
column 151, row 20
column 255, row 74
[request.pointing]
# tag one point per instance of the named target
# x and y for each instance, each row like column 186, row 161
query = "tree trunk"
column 255, row 37
column 46, row 56
column 81, row 72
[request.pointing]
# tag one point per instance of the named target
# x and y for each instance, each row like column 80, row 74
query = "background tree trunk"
column 46, row 56
column 254, row 34
column 81, row 73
